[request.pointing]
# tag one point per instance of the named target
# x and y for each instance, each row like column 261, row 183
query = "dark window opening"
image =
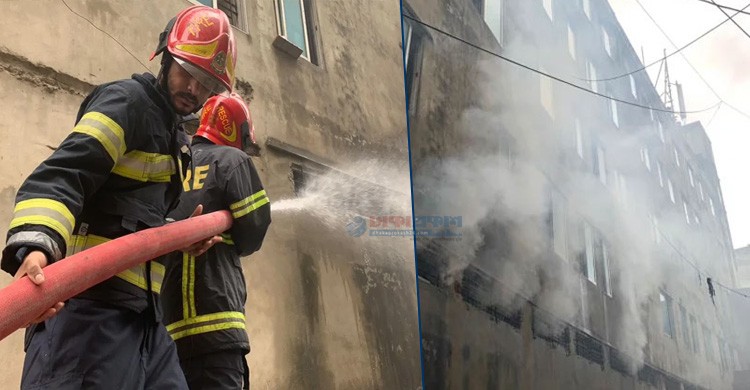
column 547, row 328
column 619, row 362
column 479, row 5
column 231, row 9
column 589, row 348
column 649, row 375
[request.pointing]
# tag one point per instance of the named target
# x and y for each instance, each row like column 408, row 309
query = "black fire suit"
column 116, row 173
column 204, row 297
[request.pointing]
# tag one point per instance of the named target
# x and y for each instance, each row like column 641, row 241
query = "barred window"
column 235, row 10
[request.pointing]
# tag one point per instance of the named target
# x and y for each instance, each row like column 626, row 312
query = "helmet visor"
column 206, row 80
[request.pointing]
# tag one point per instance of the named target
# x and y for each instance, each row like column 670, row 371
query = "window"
column 676, row 157
column 607, row 43
column 666, row 314
column 613, row 110
column 559, row 228
column 621, row 188
column 587, row 8
column 545, row 92
column 591, row 75
column 671, row 190
column 605, row 263
column 548, row 8
column 571, row 43
column 655, row 228
column 634, row 90
column 660, row 130
column 624, row 189
column 645, row 158
column 478, row 5
column 589, row 253
column 235, row 10
column 711, row 205
column 661, row 176
column 707, row 337
column 579, row 138
column 690, row 175
column 694, row 327
column 595, row 255
column 600, row 165
column 584, row 306
column 493, row 16
column 685, row 326
column 294, row 20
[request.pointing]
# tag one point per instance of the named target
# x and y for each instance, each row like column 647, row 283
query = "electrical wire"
column 733, row 21
column 644, row 67
column 725, row 7
column 108, row 34
column 714, row 115
column 555, row 78
column 690, row 64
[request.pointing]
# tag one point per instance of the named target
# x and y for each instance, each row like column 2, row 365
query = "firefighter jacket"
column 204, row 297
column 116, row 173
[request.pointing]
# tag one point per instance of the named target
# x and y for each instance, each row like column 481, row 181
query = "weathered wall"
column 325, row 310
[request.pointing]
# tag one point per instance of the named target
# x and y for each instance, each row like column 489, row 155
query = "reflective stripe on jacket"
column 204, row 297
column 116, row 173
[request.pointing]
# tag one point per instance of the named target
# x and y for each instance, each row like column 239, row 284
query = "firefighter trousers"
column 96, row 345
column 217, row 371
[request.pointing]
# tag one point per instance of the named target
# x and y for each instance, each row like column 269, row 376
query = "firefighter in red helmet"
column 119, row 171
column 204, row 296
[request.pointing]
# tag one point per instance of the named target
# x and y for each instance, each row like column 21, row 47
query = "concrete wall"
column 325, row 310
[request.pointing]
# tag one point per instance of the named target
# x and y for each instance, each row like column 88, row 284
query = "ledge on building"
column 287, row 47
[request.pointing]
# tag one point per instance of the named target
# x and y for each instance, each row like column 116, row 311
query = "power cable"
column 690, row 64
column 108, row 34
column 558, row 79
column 644, row 67
column 730, row 17
column 725, row 7
column 714, row 115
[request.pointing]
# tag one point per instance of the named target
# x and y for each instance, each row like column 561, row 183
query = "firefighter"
column 204, row 296
column 119, row 171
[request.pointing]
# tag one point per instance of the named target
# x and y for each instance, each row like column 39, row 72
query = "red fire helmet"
column 226, row 120
column 201, row 40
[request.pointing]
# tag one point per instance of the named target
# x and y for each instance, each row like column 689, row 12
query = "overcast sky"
column 723, row 59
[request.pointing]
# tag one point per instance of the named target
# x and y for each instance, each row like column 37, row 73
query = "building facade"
column 743, row 267
column 325, row 93
column 595, row 251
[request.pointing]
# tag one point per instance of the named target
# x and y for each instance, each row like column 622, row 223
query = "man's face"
column 186, row 93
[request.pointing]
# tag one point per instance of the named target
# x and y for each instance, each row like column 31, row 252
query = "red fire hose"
column 22, row 300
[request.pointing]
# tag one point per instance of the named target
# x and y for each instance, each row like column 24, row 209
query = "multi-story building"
column 325, row 309
column 595, row 251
